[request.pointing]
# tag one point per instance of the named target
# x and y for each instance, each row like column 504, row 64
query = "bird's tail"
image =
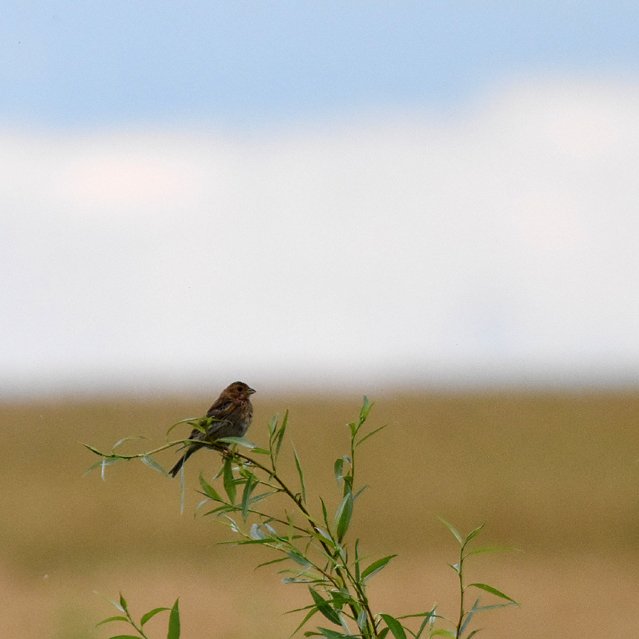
column 180, row 462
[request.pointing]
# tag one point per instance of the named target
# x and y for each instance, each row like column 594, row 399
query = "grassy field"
column 555, row 476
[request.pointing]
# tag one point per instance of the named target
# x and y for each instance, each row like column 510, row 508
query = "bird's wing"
column 221, row 409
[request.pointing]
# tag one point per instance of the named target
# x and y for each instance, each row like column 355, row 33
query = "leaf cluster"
column 173, row 631
column 310, row 543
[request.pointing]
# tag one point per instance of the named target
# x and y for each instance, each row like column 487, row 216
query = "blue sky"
column 247, row 63
column 363, row 195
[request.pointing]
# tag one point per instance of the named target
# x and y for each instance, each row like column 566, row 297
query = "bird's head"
column 239, row 390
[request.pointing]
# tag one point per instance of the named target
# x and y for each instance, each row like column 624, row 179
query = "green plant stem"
column 359, row 588
column 320, row 570
column 128, row 615
column 338, row 569
column 462, row 592
column 159, row 449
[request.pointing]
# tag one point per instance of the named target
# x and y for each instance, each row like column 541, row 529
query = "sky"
column 358, row 196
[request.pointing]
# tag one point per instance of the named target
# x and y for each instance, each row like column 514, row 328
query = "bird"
column 230, row 414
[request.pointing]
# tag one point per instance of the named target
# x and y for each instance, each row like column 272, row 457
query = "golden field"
column 555, row 476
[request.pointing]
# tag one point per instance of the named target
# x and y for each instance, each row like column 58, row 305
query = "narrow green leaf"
column 245, row 471
column 102, row 463
column 224, row 508
column 395, row 626
column 430, row 614
column 458, row 536
column 359, row 492
column 358, row 566
column 126, row 439
column 257, row 498
column 255, row 532
column 324, row 534
column 440, row 632
column 202, row 424
column 468, row 618
column 376, row 566
column 248, row 542
column 324, row 514
column 473, row 633
column 189, row 420
column 343, row 515
column 324, row 607
column 312, row 611
column 95, row 450
column 331, row 634
column 151, row 463
column 429, row 620
column 362, row 620
column 125, row 637
column 487, row 549
column 298, row 465
column 249, row 486
column 174, row 621
column 338, row 469
column 272, row 561
column 149, row 615
column 233, row 526
column 110, row 619
column 240, row 441
column 473, row 533
column 123, row 604
column 493, row 606
column 383, row 632
column 228, row 480
column 208, row 490
column 298, row 558
column 493, row 591
column 297, row 580
column 367, row 405
column 373, row 432
column 280, row 434
column 341, row 597
column 302, row 609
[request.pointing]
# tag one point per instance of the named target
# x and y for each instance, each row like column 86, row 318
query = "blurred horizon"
column 318, row 196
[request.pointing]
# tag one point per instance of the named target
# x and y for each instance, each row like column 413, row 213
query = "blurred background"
column 434, row 204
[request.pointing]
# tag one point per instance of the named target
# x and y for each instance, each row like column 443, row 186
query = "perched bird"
column 231, row 416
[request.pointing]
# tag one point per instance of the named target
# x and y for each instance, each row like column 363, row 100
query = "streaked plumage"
column 232, row 413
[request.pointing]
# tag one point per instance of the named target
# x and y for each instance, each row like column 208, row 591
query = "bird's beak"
column 250, row 391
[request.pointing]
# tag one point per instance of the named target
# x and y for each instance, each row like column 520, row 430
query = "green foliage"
column 465, row 615
column 311, row 550
column 138, row 627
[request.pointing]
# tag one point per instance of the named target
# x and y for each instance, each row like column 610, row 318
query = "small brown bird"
column 232, row 413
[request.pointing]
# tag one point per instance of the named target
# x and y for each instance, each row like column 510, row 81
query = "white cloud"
column 500, row 241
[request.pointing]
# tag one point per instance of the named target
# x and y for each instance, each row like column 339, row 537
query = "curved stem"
column 462, row 612
column 128, row 614
column 339, row 569
column 320, row 570
column 114, row 455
